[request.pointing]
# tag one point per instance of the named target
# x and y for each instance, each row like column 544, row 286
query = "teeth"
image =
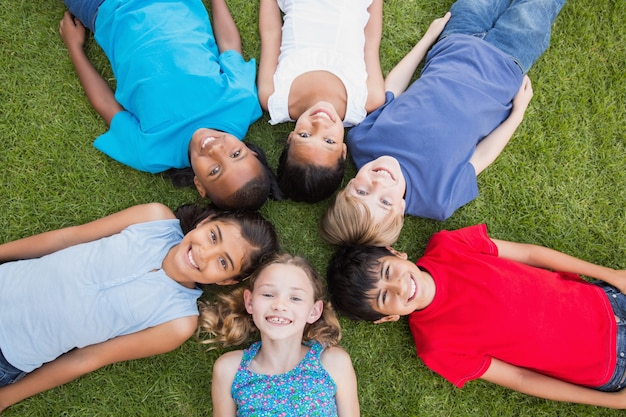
column 384, row 172
column 323, row 114
column 413, row 288
column 191, row 260
column 207, row 140
column 278, row 320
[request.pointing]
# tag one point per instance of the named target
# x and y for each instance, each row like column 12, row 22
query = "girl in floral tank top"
column 296, row 369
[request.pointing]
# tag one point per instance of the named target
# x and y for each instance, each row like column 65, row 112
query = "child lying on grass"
column 496, row 310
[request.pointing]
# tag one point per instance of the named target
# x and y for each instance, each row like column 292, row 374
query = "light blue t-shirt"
column 89, row 293
column 464, row 92
column 171, row 80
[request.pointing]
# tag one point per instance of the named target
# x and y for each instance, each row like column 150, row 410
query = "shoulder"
column 335, row 358
column 158, row 211
column 227, row 364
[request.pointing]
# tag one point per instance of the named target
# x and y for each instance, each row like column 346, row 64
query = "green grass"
column 559, row 183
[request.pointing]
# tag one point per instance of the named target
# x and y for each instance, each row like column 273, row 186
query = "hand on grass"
column 436, row 27
column 523, row 96
column 72, row 31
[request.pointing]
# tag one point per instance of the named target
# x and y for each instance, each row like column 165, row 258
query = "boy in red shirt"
column 496, row 310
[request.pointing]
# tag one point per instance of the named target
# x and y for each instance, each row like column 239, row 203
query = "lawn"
column 559, row 183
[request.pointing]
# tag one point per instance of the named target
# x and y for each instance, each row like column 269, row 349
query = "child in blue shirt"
column 420, row 152
column 185, row 97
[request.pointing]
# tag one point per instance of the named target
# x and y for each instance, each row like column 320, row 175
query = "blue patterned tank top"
column 306, row 390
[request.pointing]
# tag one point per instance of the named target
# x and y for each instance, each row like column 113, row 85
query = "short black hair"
column 308, row 182
column 351, row 275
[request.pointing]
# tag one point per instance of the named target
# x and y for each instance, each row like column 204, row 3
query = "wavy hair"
column 227, row 323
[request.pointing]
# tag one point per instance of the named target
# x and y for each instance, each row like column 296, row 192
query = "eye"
column 236, row 154
column 385, row 202
column 361, row 192
column 329, row 141
column 303, row 135
column 213, row 237
column 267, row 295
column 387, row 273
column 223, row 263
column 384, row 297
column 215, row 170
column 294, row 298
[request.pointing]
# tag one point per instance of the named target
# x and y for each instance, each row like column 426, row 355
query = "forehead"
column 283, row 276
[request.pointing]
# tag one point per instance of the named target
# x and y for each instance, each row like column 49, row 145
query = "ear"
column 230, row 281
column 401, row 255
column 199, row 187
column 247, row 300
column 316, row 312
column 387, row 319
column 344, row 152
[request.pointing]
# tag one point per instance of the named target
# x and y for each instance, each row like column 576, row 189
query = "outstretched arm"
column 542, row 386
column 98, row 92
column 152, row 341
column 399, row 77
column 48, row 242
column 270, row 30
column 492, row 145
column 546, row 258
column 226, row 32
column 373, row 34
column 338, row 364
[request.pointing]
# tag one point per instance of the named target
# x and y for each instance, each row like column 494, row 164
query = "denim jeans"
column 8, row 372
column 618, row 302
column 520, row 28
column 85, row 11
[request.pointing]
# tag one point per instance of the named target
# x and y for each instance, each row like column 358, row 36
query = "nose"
column 278, row 304
column 397, row 286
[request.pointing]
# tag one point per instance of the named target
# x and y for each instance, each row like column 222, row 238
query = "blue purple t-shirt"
column 171, row 81
column 464, row 92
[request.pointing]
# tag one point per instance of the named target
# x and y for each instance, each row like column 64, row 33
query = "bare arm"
column 399, row 77
column 152, row 341
column 224, row 371
column 98, row 92
column 338, row 364
column 224, row 28
column 373, row 34
column 492, row 145
column 48, row 242
column 542, row 386
column 270, row 30
column 546, row 258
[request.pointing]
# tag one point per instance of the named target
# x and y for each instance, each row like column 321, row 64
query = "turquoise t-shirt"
column 171, row 81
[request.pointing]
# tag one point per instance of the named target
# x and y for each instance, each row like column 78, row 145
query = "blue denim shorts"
column 85, row 11
column 618, row 302
column 8, row 373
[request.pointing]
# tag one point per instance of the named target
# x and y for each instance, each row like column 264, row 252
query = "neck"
column 278, row 356
column 313, row 87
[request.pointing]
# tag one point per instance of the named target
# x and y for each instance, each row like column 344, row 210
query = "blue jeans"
column 85, row 11
column 520, row 28
column 8, row 372
column 618, row 302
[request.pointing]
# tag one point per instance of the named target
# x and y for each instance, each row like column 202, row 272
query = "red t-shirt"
column 485, row 306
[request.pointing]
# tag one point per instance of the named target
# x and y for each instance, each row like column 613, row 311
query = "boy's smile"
column 381, row 185
column 401, row 289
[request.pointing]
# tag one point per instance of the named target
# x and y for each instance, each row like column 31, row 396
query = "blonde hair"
column 348, row 221
column 227, row 322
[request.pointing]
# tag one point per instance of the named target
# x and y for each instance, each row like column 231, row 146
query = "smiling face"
column 282, row 302
column 318, row 137
column 380, row 184
column 401, row 289
column 221, row 163
column 214, row 252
